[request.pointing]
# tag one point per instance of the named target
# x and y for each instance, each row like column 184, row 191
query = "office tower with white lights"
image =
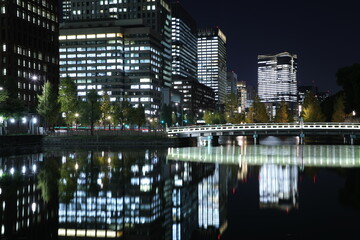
column 125, row 46
column 29, row 48
column 277, row 79
column 212, row 68
column 196, row 95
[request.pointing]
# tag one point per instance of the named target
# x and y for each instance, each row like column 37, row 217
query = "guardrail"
column 263, row 126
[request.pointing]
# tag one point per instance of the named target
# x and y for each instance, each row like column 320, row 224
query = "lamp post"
column 36, row 78
column 76, row 117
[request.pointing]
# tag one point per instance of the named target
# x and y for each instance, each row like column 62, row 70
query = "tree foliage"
column 68, row 99
column 105, row 108
column 166, row 115
column 211, row 117
column 4, row 95
column 349, row 79
column 311, row 109
column 90, row 110
column 339, row 110
column 48, row 106
column 257, row 113
column 282, row 115
column 139, row 116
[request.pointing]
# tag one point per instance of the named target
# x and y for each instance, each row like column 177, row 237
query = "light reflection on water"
column 175, row 193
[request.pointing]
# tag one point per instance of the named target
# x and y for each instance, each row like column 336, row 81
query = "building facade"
column 155, row 14
column 277, row 80
column 231, row 87
column 197, row 96
column 241, row 95
column 212, row 61
column 29, row 52
column 123, row 61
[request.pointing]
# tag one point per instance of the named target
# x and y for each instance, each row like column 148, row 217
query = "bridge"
column 344, row 156
column 349, row 130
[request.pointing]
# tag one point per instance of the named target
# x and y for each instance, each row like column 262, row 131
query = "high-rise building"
column 184, row 43
column 231, row 83
column 212, row 61
column 242, row 95
column 117, row 59
column 277, row 77
column 29, row 51
column 155, row 14
column 277, row 80
column 128, row 46
column 196, row 95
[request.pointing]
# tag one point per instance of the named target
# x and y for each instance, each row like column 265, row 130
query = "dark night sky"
column 324, row 34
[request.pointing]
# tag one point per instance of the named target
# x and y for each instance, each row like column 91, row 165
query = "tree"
column 230, row 107
column 260, row 114
column 105, row 108
column 139, row 116
column 214, row 117
column 117, row 114
column 339, row 110
column 128, row 112
column 4, row 95
column 12, row 107
column 349, row 79
column 282, row 115
column 68, row 99
column 311, row 109
column 166, row 115
column 48, row 106
column 91, row 112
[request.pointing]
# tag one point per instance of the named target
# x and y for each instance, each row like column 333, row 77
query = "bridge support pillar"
column 302, row 138
column 256, row 137
column 352, row 138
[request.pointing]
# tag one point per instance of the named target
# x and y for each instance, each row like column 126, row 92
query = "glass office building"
column 212, row 68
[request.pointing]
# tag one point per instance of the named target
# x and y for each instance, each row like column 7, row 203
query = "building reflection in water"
column 23, row 212
column 148, row 194
column 134, row 195
column 278, row 186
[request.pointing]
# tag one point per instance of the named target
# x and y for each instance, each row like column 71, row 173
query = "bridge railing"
column 263, row 126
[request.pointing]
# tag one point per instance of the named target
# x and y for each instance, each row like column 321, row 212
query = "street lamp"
column 36, row 78
column 76, row 117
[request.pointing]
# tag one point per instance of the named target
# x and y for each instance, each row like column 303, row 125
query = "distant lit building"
column 212, row 61
column 231, row 83
column 277, row 77
column 277, row 80
column 29, row 48
column 241, row 95
column 197, row 96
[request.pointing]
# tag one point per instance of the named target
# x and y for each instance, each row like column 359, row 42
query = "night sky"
column 324, row 34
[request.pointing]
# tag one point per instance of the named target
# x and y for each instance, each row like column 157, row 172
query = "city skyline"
column 322, row 34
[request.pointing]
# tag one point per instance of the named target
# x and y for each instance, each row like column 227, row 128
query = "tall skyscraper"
column 212, row 61
column 184, row 43
column 277, row 80
column 29, row 52
column 196, row 95
column 141, row 48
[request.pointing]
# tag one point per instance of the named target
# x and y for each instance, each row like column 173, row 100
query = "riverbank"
column 105, row 140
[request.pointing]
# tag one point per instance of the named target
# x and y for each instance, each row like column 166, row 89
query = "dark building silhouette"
column 29, row 52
